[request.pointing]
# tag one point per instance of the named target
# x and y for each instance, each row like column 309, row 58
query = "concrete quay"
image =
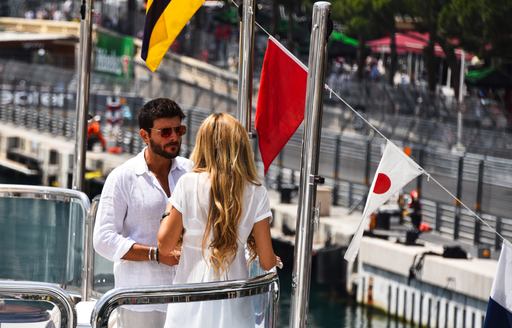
column 444, row 292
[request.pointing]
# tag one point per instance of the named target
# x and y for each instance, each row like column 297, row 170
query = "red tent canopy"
column 410, row 42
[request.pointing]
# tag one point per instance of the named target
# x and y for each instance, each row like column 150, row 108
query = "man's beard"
column 157, row 149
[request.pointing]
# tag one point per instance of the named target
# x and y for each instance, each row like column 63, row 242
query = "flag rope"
column 425, row 172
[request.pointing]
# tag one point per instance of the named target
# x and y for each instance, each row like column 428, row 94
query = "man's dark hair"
column 158, row 108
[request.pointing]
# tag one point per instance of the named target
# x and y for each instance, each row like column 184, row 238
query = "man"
column 94, row 134
column 415, row 210
column 132, row 202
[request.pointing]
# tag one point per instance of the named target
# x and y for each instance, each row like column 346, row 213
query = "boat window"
column 42, row 238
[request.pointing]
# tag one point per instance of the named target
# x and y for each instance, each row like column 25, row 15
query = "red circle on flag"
column 382, row 184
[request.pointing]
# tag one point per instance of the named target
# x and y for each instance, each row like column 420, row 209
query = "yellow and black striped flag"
column 164, row 21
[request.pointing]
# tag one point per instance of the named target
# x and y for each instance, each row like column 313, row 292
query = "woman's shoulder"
column 256, row 189
column 190, row 179
column 189, row 176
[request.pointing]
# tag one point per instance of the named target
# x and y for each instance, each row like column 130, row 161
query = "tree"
column 483, row 27
column 356, row 16
column 427, row 14
column 385, row 12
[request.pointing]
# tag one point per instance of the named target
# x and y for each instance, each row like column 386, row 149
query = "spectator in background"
column 222, row 35
column 94, row 134
column 415, row 210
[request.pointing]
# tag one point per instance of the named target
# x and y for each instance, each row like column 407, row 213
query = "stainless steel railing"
column 88, row 277
column 221, row 290
column 38, row 291
column 46, row 193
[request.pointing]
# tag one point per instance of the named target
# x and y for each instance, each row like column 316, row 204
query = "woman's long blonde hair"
column 223, row 150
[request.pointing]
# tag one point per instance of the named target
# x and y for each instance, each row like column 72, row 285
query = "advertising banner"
column 114, row 54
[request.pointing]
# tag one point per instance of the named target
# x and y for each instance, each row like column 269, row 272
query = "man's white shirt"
column 130, row 209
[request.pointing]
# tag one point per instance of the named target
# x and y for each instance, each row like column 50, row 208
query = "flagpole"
column 309, row 178
column 82, row 103
column 245, row 65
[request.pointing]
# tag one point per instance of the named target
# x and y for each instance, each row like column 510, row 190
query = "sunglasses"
column 167, row 132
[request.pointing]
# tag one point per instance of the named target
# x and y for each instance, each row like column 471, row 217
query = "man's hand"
column 171, row 258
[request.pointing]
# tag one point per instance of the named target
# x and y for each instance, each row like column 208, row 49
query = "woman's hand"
column 279, row 263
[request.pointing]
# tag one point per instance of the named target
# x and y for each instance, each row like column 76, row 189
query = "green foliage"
column 483, row 26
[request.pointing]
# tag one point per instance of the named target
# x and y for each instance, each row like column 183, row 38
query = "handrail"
column 41, row 292
column 42, row 192
column 184, row 294
column 64, row 195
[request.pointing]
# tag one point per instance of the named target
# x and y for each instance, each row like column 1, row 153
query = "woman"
column 217, row 209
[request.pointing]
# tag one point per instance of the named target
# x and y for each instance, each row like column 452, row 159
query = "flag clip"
column 316, row 179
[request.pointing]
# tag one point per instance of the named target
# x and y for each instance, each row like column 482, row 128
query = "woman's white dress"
column 191, row 198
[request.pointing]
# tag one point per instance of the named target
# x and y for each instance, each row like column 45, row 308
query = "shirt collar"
column 141, row 166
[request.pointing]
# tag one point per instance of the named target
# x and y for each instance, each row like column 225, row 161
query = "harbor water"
column 330, row 309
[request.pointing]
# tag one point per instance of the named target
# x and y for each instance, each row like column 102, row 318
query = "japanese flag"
column 395, row 170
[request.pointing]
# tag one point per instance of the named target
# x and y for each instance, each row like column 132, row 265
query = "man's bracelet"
column 150, row 257
column 157, row 258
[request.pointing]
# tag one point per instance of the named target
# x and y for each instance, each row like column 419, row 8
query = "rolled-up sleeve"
column 108, row 239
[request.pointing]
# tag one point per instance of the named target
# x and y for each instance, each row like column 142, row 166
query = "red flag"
column 281, row 100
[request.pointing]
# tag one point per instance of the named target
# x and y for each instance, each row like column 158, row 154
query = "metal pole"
column 245, row 66
column 88, row 274
column 368, row 164
column 456, row 224
column 419, row 179
column 460, row 146
column 82, row 104
column 309, row 166
column 478, row 204
column 337, row 153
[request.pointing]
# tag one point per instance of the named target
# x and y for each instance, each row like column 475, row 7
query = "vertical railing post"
column 456, row 225
column 497, row 238
column 88, row 269
column 336, row 172
column 350, row 194
column 280, row 165
column 190, row 112
column 368, row 163
column 438, row 222
column 478, row 204
column 82, row 106
column 301, row 275
column 419, row 179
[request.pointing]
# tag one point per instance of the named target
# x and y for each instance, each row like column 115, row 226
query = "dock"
column 441, row 292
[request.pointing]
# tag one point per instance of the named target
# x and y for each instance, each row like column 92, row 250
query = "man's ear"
column 144, row 135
